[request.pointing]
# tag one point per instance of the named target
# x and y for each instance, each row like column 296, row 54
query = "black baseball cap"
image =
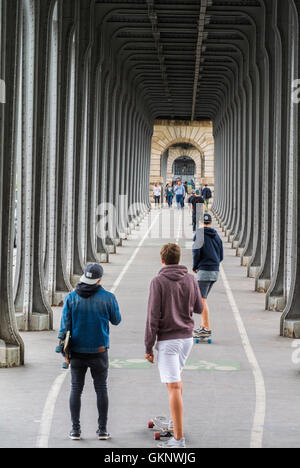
column 207, row 218
column 92, row 273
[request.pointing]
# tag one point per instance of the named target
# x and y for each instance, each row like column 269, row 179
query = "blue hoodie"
column 209, row 257
column 90, row 315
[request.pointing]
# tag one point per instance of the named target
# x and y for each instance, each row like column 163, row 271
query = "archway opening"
column 184, row 168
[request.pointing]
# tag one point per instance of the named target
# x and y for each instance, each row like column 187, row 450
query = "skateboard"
column 158, row 423
column 67, row 350
column 203, row 339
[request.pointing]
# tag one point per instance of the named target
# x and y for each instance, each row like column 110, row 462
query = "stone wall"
column 168, row 133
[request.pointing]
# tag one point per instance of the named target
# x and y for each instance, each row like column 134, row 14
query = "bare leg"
column 176, row 408
column 205, row 315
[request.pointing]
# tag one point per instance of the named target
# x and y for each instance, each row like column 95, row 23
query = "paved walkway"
column 240, row 391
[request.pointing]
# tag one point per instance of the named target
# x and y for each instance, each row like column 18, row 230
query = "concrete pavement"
column 219, row 385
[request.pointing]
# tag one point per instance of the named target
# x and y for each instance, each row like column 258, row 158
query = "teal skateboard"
column 203, row 339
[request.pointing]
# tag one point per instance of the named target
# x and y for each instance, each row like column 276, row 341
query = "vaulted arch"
column 198, row 134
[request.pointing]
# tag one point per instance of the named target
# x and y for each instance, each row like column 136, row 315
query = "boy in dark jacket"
column 87, row 313
column 174, row 298
column 206, row 194
column 206, row 264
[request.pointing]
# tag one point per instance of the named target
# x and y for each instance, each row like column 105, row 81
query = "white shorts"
column 171, row 359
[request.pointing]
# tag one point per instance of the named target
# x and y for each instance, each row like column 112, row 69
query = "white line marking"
column 48, row 412
column 260, row 407
column 179, row 228
column 47, row 416
column 131, row 260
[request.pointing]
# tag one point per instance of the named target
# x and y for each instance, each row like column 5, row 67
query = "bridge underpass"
column 83, row 83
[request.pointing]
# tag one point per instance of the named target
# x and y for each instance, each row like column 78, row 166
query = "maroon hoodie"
column 174, row 297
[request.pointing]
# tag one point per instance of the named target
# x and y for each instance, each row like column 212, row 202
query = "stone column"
column 11, row 344
column 84, row 40
column 263, row 279
column 276, row 295
column 100, row 94
column 66, row 20
column 34, row 311
column 290, row 320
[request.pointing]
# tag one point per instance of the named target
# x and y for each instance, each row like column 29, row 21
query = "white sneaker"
column 172, row 443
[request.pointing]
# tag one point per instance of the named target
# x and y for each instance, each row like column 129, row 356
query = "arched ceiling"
column 184, row 54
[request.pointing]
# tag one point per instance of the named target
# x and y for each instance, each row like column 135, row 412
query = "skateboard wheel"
column 150, row 425
column 157, row 436
column 196, row 341
column 210, row 341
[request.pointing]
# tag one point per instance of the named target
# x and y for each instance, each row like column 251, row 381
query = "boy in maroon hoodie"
column 174, row 298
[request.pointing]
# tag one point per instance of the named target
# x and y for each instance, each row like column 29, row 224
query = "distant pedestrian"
column 157, row 194
column 190, row 199
column 186, row 187
column 180, row 194
column 169, row 195
column 174, row 298
column 197, row 203
column 207, row 195
column 206, row 264
column 86, row 314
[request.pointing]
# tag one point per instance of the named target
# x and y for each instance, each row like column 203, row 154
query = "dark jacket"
column 206, row 193
column 174, row 298
column 194, row 203
column 90, row 314
column 209, row 257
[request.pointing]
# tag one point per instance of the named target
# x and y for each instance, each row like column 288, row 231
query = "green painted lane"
column 190, row 366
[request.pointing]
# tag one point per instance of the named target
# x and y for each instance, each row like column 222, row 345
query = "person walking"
column 169, row 195
column 174, row 298
column 207, row 195
column 157, row 195
column 87, row 313
column 180, row 194
column 197, row 203
column 206, row 265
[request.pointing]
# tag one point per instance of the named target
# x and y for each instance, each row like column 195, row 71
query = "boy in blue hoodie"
column 206, row 264
column 87, row 313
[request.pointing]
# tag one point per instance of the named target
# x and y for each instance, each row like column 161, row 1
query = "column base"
column 119, row 242
column 235, row 244
column 262, row 285
column 291, row 329
column 59, row 298
column 239, row 251
column 276, row 304
column 10, row 355
column 123, row 236
column 112, row 249
column 75, row 280
column 253, row 271
column 245, row 260
column 104, row 257
column 38, row 322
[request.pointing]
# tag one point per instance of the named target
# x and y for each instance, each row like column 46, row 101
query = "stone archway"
column 198, row 134
column 194, row 154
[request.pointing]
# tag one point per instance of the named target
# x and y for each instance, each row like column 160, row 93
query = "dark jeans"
column 170, row 200
column 180, row 201
column 99, row 371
